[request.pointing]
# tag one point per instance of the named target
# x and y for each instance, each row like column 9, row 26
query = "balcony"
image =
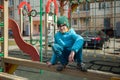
column 81, row 14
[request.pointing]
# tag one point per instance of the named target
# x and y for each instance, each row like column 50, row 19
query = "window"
column 108, row 5
column 86, row 7
column 20, row 1
column 75, row 22
column 103, row 5
column 106, row 23
column 0, row 1
column 11, row 13
column 11, row 2
column 100, row 5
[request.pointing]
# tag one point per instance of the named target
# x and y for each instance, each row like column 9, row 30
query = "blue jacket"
column 69, row 40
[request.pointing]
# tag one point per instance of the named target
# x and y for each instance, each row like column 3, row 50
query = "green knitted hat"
column 63, row 20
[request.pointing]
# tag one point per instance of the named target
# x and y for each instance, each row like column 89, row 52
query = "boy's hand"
column 71, row 56
column 49, row 64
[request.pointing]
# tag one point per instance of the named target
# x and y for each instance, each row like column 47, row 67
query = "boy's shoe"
column 82, row 67
column 60, row 67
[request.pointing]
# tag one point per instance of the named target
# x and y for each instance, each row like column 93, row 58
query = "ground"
column 34, row 74
column 37, row 74
column 98, row 62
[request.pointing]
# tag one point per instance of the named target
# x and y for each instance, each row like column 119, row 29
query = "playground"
column 24, row 55
column 103, row 65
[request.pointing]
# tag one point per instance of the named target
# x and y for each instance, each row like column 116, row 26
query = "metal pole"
column 95, row 26
column 41, row 31
column 30, row 17
column 21, row 21
column 114, row 27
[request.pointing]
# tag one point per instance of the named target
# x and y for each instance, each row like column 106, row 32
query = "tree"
column 62, row 4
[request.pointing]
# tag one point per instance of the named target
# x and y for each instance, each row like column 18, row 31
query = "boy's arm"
column 78, row 42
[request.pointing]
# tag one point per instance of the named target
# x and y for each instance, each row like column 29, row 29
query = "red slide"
column 25, row 47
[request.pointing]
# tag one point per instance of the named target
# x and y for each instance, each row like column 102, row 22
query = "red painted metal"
column 24, row 46
column 22, row 4
column 48, row 6
column 1, row 7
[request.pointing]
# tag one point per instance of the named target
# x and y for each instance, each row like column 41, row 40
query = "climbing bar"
column 1, row 24
column 1, row 39
column 1, row 69
column 1, row 54
column 98, row 75
column 87, row 0
column 33, row 13
column 33, row 41
column 39, row 13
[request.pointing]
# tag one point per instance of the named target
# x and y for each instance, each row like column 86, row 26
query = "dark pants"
column 62, row 54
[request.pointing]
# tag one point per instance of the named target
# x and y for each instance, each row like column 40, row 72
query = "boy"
column 67, row 46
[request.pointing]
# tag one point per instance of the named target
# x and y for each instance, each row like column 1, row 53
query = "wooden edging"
column 91, row 74
column 6, row 76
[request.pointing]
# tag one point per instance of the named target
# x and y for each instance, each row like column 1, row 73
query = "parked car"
column 109, row 32
column 95, row 39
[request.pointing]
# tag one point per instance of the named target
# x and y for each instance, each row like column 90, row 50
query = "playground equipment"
column 91, row 74
column 49, row 22
column 21, row 12
column 5, row 76
column 25, row 47
column 26, row 10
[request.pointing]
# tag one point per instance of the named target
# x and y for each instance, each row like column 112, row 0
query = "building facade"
column 98, row 15
column 88, row 16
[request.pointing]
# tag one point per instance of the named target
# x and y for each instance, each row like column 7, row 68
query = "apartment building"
column 88, row 16
column 98, row 15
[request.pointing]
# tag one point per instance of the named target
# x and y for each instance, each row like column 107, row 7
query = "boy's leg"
column 79, row 56
column 65, row 55
column 79, row 59
column 58, row 51
column 53, row 59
